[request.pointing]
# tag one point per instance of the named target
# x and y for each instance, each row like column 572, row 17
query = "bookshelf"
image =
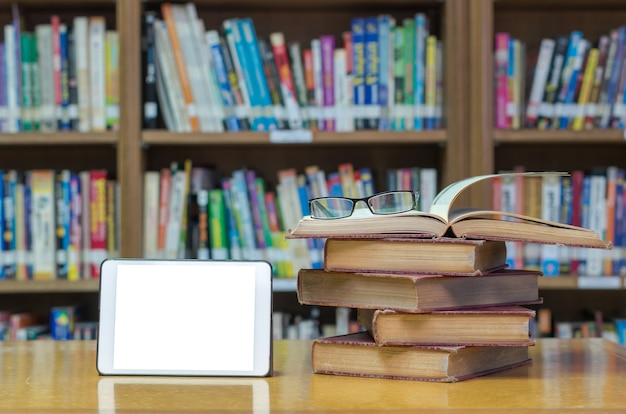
column 130, row 150
column 569, row 297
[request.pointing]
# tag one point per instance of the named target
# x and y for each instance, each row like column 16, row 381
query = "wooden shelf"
column 582, row 282
column 48, row 286
column 161, row 137
column 538, row 137
column 60, row 138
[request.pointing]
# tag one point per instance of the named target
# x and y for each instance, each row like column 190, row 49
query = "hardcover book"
column 443, row 255
column 414, row 292
column 491, row 326
column 358, row 355
column 442, row 219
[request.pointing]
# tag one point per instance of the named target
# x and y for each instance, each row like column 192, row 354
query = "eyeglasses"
column 388, row 202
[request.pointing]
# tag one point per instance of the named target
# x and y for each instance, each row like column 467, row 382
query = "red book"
column 98, row 229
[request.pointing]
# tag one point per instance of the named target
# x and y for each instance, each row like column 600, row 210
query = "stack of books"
column 432, row 290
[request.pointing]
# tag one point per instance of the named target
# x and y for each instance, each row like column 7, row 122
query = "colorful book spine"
column 241, row 105
column 546, row 111
column 218, row 228
column 256, row 210
column 64, row 120
column 97, row 78
column 72, row 83
column 309, row 78
column 550, row 210
column 328, row 47
column 112, row 74
column 357, row 27
column 614, row 79
column 592, row 106
column 228, row 99
column 150, row 105
column 63, row 223
column 430, row 101
column 81, row 35
column 501, row 88
column 8, row 263
column 273, row 84
column 542, row 70
column 421, row 34
column 287, row 86
column 242, row 211
column 76, row 224
column 576, row 66
column 3, row 89
column 372, row 73
column 399, row 75
column 12, row 79
column 297, row 66
column 409, row 67
column 234, row 238
column 98, row 220
column 316, row 110
column 585, row 90
column 26, row 47
column 386, row 24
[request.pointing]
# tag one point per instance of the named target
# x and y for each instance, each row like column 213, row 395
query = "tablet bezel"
column 262, row 358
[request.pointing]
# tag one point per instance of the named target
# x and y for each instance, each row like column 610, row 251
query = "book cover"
column 372, row 73
column 414, row 293
column 357, row 27
column 358, row 355
column 488, row 326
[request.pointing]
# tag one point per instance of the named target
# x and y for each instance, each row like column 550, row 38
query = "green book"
column 26, row 65
column 218, row 232
column 409, row 73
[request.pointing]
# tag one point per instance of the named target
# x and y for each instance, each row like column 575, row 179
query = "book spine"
column 165, row 184
column 615, row 70
column 234, row 243
column 21, row 270
column 597, row 220
column 295, row 56
column 328, row 69
column 397, row 123
column 176, row 207
column 287, row 86
column 585, row 90
column 431, row 83
column 72, row 85
column 421, row 34
column 150, row 105
column 501, row 68
column 592, row 106
column 64, row 121
column 610, row 212
column 112, row 92
column 203, row 250
column 236, row 76
column 63, row 223
column 228, row 100
column 3, row 89
column 409, row 67
column 273, row 83
column 542, row 69
column 577, row 64
column 385, row 48
column 255, row 209
column 256, row 66
column 151, row 183
column 316, row 110
column 98, row 220
column 26, row 68
column 372, row 73
column 348, row 46
column 8, row 263
column 343, row 122
column 357, row 26
column 43, row 224
column 97, row 78
column 218, row 228
column 12, row 74
column 76, row 223
column 242, row 209
column 191, row 109
column 83, row 86
column 309, row 76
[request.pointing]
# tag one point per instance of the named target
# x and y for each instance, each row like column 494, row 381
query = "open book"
column 442, row 220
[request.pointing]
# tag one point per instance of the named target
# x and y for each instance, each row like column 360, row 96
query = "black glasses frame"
column 414, row 195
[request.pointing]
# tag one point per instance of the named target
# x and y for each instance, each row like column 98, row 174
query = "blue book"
column 577, row 67
column 64, row 120
column 357, row 27
column 233, row 31
column 314, row 245
column 386, row 24
column 257, row 73
column 372, row 72
column 421, row 33
column 367, row 180
column 28, row 235
column 63, row 200
column 243, row 213
column 616, row 71
column 228, row 99
column 619, row 263
column 8, row 235
column 568, row 64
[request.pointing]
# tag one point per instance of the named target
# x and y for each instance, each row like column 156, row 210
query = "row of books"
column 595, row 325
column 379, row 75
column 61, row 323
column 592, row 199
column 577, row 83
column 190, row 212
column 59, row 76
column 288, row 326
column 57, row 224
column 425, row 303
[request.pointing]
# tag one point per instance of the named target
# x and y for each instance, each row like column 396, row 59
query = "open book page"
column 442, row 203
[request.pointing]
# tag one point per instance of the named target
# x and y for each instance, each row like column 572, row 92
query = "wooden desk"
column 46, row 376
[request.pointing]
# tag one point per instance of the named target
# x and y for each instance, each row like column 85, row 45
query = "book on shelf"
column 490, row 326
column 358, row 355
column 415, row 292
column 451, row 256
column 442, row 220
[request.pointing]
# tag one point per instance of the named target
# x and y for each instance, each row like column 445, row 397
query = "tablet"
column 185, row 317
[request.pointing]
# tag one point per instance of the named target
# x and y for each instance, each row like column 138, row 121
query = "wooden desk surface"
column 47, row 376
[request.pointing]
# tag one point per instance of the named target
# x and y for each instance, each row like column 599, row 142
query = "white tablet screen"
column 169, row 317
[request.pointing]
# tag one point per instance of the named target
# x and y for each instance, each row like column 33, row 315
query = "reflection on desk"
column 585, row 375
